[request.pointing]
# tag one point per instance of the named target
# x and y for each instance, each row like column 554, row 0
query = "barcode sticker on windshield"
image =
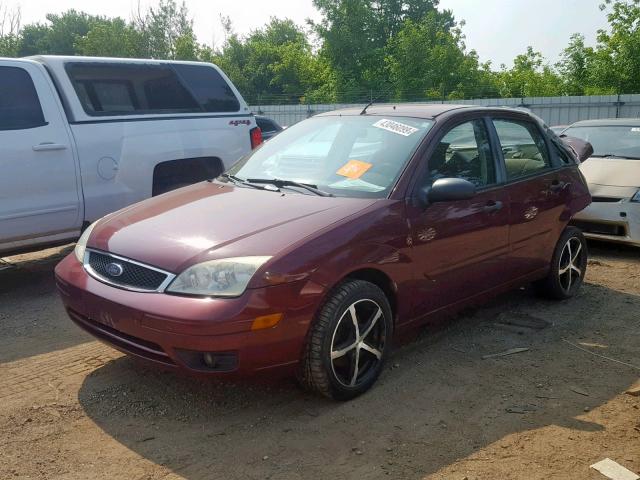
column 395, row 127
column 635, row 129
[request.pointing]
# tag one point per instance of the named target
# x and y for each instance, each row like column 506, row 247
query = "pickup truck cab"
column 81, row 137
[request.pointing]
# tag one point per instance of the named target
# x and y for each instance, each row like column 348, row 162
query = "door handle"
column 558, row 186
column 48, row 147
column 492, row 206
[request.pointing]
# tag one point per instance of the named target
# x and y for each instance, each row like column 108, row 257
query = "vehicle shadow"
column 32, row 318
column 437, row 402
column 608, row 250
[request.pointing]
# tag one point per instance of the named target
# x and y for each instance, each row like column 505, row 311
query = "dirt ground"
column 73, row 408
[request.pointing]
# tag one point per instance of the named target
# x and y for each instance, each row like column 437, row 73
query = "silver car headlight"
column 636, row 197
column 227, row 277
column 81, row 245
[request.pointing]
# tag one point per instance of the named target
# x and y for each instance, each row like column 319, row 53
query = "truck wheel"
column 568, row 266
column 175, row 174
column 349, row 341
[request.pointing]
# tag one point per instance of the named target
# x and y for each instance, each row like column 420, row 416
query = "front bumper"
column 612, row 221
column 175, row 331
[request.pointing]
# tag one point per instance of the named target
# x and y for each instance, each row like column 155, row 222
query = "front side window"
column 353, row 156
column 464, row 152
column 19, row 104
column 610, row 141
column 523, row 147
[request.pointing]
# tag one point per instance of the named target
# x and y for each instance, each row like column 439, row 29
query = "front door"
column 460, row 247
column 38, row 181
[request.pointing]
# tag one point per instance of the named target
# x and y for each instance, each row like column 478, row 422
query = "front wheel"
column 568, row 266
column 349, row 341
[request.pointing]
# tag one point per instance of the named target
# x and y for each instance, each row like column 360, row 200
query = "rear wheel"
column 568, row 266
column 349, row 341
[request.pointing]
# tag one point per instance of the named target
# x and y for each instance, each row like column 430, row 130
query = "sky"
column 497, row 29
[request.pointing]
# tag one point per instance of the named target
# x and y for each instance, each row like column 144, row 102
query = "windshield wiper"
column 240, row 181
column 278, row 182
column 613, row 155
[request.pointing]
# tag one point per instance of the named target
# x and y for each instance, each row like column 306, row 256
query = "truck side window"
column 19, row 104
column 135, row 89
column 209, row 88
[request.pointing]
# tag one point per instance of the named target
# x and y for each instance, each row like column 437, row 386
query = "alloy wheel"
column 358, row 342
column 570, row 268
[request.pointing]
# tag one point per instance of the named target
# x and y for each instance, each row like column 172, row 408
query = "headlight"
column 81, row 245
column 228, row 277
column 636, row 197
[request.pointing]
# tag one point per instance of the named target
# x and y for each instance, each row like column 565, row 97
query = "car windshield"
column 353, row 156
column 615, row 141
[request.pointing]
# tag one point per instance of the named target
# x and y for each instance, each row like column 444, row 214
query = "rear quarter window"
column 19, row 104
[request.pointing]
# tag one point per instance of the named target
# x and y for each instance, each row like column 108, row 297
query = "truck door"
column 39, row 191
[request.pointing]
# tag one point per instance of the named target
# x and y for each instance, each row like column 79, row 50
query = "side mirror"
column 581, row 148
column 447, row 190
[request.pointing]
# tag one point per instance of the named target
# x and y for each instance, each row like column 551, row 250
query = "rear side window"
column 19, row 104
column 523, row 147
column 123, row 89
column 211, row 91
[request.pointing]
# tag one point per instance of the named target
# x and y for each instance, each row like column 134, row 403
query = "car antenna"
column 364, row 110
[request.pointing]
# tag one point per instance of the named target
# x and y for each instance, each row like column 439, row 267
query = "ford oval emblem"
column 114, row 269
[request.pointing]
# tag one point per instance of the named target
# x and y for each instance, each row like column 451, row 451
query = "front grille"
column 600, row 228
column 133, row 275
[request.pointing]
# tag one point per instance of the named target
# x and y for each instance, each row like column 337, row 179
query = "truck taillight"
column 256, row 137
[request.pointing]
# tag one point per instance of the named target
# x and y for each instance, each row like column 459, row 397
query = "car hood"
column 211, row 220
column 611, row 172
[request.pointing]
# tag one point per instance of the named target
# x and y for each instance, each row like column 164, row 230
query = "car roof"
column 416, row 110
column 608, row 122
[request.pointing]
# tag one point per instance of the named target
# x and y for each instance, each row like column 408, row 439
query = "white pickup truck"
column 82, row 137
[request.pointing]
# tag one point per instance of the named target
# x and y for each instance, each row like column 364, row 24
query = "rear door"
column 538, row 192
column 38, row 183
column 460, row 247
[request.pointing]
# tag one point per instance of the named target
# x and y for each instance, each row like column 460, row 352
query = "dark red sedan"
column 313, row 251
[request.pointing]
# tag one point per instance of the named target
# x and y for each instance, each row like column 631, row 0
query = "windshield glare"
column 617, row 140
column 348, row 156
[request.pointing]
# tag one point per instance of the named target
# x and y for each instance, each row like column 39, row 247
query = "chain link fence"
column 554, row 110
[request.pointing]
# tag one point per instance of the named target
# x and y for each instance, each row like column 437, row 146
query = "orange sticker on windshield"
column 354, row 169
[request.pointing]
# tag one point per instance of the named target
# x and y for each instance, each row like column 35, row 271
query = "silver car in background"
column 613, row 175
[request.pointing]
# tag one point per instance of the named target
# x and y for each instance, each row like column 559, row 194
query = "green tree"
column 111, row 38
column 428, row 58
column 530, row 76
column 616, row 61
column 355, row 35
column 575, row 66
column 59, row 36
column 275, row 64
column 164, row 29
column 9, row 31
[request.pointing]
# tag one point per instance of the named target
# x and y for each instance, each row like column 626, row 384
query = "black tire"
column 568, row 267
column 320, row 371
